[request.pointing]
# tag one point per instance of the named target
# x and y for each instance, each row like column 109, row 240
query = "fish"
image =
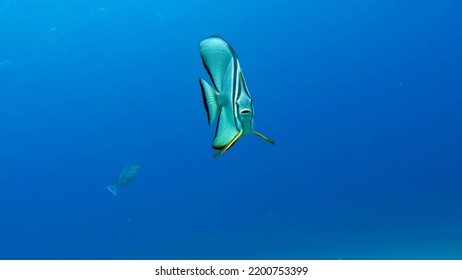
column 126, row 176
column 229, row 97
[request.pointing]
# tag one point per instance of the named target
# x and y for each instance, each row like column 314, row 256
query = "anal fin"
column 226, row 128
column 234, row 140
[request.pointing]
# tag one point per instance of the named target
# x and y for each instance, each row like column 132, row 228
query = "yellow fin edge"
column 235, row 138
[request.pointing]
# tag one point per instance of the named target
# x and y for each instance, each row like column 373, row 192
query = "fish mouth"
column 245, row 111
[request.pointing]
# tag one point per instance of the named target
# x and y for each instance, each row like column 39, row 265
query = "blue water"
column 363, row 99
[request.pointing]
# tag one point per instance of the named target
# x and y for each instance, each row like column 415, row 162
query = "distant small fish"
column 98, row 10
column 126, row 176
column 5, row 62
column 229, row 98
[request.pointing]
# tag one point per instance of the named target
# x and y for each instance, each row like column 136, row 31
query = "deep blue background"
column 363, row 99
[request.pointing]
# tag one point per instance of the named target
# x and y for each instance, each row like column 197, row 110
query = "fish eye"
column 245, row 111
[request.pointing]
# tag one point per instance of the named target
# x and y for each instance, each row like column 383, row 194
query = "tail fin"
column 112, row 189
column 210, row 97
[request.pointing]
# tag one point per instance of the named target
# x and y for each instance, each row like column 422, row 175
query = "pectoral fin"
column 264, row 137
column 112, row 189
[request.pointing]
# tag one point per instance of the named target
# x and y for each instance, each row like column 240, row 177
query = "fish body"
column 126, row 176
column 229, row 97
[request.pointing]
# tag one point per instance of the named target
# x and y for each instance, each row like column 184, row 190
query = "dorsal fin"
column 216, row 55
